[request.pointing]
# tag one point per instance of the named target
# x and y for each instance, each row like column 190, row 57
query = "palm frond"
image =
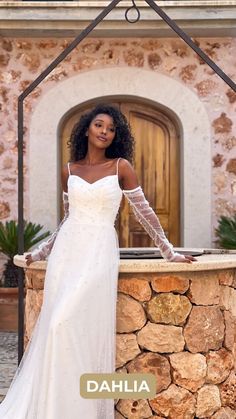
column 226, row 232
column 9, row 236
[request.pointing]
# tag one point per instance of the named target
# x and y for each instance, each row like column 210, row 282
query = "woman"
column 75, row 331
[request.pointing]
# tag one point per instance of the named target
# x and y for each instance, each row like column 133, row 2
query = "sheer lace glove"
column 149, row 220
column 44, row 249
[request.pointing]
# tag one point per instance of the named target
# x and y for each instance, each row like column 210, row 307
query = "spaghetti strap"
column 117, row 165
column 68, row 165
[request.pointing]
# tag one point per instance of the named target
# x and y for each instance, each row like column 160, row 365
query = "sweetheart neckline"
column 104, row 177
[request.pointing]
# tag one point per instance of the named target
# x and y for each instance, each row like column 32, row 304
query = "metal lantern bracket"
column 186, row 38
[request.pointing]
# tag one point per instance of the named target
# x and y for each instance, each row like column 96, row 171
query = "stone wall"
column 21, row 61
column 180, row 326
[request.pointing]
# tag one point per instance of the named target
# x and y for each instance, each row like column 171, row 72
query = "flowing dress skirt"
column 75, row 330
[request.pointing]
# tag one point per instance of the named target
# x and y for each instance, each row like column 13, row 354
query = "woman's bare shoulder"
column 124, row 163
column 128, row 175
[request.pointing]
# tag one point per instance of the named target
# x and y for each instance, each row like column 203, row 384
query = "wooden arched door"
column 157, row 165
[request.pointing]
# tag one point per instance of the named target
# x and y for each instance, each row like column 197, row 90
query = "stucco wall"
column 22, row 60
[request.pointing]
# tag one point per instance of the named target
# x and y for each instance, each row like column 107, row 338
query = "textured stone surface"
column 228, row 299
column 204, row 330
column 224, row 413
column 134, row 408
column 30, row 60
column 136, row 288
column 228, row 391
column 226, row 277
column 33, row 303
column 2, row 148
column 219, row 365
column 220, row 181
column 189, row 370
column 35, row 279
column 208, row 401
column 218, row 160
column 170, row 283
column 4, row 210
column 231, row 166
column 228, row 143
column 130, row 315
column 133, row 57
column 201, row 282
column 231, row 96
column 118, row 415
column 223, row 124
column 155, row 364
column 168, row 308
column 187, row 73
column 154, row 60
column 230, row 330
column 161, row 338
column 175, row 402
column 4, row 59
column 91, row 46
column 205, row 87
column 126, row 348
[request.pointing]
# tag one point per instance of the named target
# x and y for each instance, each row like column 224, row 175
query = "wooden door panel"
column 152, row 160
column 157, row 166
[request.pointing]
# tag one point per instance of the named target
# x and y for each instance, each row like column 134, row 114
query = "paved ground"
column 8, row 360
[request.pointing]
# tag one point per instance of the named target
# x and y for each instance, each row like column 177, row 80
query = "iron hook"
column 129, row 9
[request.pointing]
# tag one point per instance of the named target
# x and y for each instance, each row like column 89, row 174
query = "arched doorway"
column 157, row 163
column 147, row 87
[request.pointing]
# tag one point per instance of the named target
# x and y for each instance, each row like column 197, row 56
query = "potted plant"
column 9, row 280
column 226, row 232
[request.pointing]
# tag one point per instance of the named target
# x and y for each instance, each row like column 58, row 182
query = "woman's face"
column 101, row 131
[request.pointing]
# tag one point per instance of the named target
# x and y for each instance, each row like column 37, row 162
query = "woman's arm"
column 44, row 249
column 145, row 214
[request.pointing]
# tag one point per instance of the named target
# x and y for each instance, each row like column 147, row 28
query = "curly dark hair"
column 121, row 146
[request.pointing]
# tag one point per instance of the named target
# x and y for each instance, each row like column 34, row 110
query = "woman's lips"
column 102, row 139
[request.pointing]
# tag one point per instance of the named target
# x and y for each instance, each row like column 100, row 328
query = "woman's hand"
column 184, row 258
column 29, row 259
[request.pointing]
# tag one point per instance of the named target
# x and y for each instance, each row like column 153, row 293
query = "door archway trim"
column 145, row 85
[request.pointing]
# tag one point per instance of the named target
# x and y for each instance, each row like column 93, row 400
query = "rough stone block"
column 126, row 348
column 136, row 288
column 168, row 308
column 175, row 402
column 189, row 370
column 205, row 329
column 208, row 401
column 130, row 314
column 156, row 364
column 161, row 338
column 170, row 283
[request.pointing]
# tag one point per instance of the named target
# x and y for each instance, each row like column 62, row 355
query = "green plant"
column 226, row 232
column 9, row 246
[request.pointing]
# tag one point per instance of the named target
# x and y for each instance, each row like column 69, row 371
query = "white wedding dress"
column 75, row 330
